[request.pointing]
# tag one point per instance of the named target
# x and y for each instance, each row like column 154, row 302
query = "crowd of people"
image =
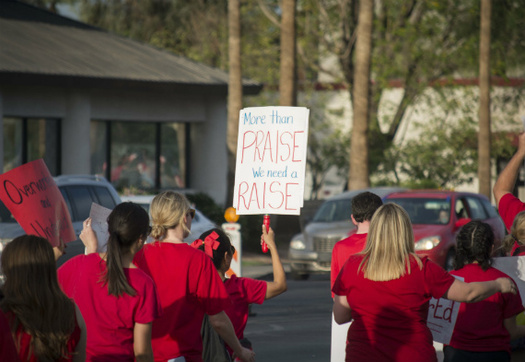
column 135, row 301
column 382, row 286
column 173, row 302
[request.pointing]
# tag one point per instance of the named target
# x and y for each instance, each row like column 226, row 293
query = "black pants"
column 459, row 355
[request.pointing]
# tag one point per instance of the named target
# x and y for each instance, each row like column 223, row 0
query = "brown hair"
column 33, row 299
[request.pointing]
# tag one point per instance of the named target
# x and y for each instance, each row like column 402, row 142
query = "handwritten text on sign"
column 32, row 196
column 271, row 160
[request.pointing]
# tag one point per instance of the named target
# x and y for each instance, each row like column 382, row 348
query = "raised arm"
column 223, row 326
column 142, row 342
column 507, row 178
column 477, row 291
column 88, row 237
column 341, row 309
column 278, row 286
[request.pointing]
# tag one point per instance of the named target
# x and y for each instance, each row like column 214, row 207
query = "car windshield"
column 425, row 210
column 335, row 210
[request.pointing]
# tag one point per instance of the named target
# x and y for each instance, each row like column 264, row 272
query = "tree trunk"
column 287, row 82
column 484, row 100
column 234, row 91
column 359, row 173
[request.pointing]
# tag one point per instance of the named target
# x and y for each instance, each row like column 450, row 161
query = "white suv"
column 79, row 191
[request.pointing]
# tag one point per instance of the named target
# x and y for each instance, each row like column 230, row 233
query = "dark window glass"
column 12, row 134
column 476, row 209
column 66, row 199
column 81, row 201
column 104, row 197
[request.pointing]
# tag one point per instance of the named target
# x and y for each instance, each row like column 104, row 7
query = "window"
column 104, row 197
column 476, row 208
column 29, row 139
column 139, row 156
column 81, row 201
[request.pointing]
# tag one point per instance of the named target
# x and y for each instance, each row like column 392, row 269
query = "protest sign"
column 271, row 160
column 32, row 196
column 514, row 267
column 442, row 316
column 99, row 224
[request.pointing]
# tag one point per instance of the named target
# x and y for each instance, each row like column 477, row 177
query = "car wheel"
column 299, row 276
column 449, row 261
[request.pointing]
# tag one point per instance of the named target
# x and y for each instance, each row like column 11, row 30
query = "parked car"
column 435, row 235
column 199, row 224
column 79, row 192
column 311, row 251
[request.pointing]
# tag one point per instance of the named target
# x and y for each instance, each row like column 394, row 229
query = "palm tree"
column 287, row 82
column 234, row 91
column 358, row 175
column 484, row 100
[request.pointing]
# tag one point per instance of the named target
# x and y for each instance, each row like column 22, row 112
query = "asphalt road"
column 294, row 326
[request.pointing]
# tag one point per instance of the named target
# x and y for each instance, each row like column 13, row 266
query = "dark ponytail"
column 225, row 246
column 127, row 223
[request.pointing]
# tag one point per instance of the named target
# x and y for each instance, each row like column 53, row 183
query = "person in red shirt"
column 508, row 204
column 363, row 207
column 487, row 338
column 386, row 291
column 243, row 291
column 45, row 324
column 7, row 345
column 188, row 285
column 118, row 300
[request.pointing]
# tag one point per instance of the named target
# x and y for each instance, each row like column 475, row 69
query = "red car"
column 438, row 215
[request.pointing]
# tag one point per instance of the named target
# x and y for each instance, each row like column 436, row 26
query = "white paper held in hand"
column 99, row 224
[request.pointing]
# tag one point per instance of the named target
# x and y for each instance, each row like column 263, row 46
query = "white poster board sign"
column 271, row 160
column 514, row 267
column 99, row 224
column 441, row 319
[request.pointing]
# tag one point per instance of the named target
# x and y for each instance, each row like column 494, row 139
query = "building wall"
column 77, row 107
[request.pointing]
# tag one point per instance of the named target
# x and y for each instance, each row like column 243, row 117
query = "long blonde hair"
column 517, row 233
column 389, row 244
column 168, row 210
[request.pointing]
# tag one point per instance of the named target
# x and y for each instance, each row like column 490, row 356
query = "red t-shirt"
column 189, row 287
column 26, row 349
column 109, row 320
column 342, row 250
column 510, row 206
column 479, row 327
column 389, row 318
column 243, row 292
column 7, row 345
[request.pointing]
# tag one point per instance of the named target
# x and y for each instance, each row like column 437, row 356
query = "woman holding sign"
column 188, row 285
column 45, row 323
column 386, row 290
column 243, row 291
column 118, row 300
column 483, row 330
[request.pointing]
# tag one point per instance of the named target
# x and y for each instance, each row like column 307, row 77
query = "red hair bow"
column 210, row 243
